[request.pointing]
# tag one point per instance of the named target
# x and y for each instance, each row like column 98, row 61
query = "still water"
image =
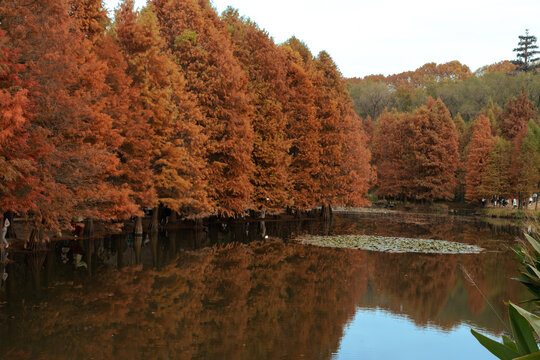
column 221, row 292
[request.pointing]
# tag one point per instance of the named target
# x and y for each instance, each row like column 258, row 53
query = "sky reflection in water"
column 378, row 334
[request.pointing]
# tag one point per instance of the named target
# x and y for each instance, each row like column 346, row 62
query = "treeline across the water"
column 170, row 105
column 479, row 141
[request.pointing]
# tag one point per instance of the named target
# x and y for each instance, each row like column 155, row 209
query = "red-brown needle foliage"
column 479, row 149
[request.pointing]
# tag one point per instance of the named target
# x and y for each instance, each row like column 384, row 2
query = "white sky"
column 391, row 36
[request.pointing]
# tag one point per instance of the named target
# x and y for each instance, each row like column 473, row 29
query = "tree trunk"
column 137, row 244
column 154, row 225
column 262, row 225
column 326, row 212
column 35, row 240
column 174, row 217
column 11, row 230
column 154, row 245
column 88, row 230
column 138, row 226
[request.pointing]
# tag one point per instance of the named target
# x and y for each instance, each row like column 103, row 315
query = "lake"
column 223, row 292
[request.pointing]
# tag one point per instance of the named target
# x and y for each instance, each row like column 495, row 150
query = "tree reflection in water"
column 251, row 300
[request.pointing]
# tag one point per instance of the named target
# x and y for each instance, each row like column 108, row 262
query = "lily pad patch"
column 391, row 244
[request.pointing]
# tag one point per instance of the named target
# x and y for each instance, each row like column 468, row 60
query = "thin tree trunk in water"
column 154, row 244
column 173, row 234
column 137, row 244
column 88, row 230
column 327, row 211
column 262, row 225
column 138, row 226
column 155, row 219
column 35, row 240
column 89, row 247
column 35, row 261
column 11, row 230
column 200, row 234
column 173, row 219
column 121, row 246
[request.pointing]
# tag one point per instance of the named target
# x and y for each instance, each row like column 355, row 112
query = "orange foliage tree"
column 344, row 160
column 83, row 162
column 302, row 129
column 20, row 149
column 203, row 49
column 263, row 63
column 479, row 149
column 435, row 150
column 178, row 167
column 416, row 155
column 118, row 100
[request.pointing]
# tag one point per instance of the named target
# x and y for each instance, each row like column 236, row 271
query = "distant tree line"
column 479, row 140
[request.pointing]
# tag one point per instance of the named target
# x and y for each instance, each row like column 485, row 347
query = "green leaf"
column 509, row 343
column 497, row 349
column 522, row 331
column 533, row 242
column 533, row 319
column 535, row 356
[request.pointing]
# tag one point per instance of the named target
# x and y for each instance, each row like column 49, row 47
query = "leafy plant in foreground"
column 525, row 325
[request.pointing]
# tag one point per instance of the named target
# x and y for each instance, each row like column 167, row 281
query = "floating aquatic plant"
column 391, row 244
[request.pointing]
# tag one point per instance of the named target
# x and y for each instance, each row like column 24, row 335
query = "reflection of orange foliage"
column 414, row 282
column 245, row 301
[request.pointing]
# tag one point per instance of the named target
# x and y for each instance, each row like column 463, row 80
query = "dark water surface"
column 220, row 292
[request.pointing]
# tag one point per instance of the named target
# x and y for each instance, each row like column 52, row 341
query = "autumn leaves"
column 173, row 105
column 426, row 155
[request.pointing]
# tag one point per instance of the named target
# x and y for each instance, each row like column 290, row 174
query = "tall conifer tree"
column 202, row 46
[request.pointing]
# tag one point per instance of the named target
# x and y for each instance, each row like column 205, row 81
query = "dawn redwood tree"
column 119, row 101
column 434, row 148
column 479, row 150
column 202, row 46
column 493, row 112
column 21, row 144
column 265, row 66
column 390, row 155
column 179, row 170
column 527, row 162
column 369, row 129
column 464, row 137
column 344, row 160
column 303, row 129
column 70, row 81
column 496, row 175
column 516, row 116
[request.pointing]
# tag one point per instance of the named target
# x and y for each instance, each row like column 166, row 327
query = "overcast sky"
column 392, row 36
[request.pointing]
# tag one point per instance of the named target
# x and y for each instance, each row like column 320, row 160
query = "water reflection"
column 219, row 293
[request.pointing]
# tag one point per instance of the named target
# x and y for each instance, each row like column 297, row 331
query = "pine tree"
column 526, row 52
column 479, row 150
